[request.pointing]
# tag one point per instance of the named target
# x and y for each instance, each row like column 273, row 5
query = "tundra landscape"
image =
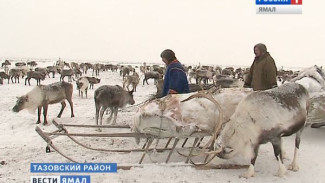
column 20, row 145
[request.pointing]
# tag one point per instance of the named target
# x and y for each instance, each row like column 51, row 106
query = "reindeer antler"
column 220, row 123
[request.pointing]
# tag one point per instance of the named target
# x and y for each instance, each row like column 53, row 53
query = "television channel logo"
column 278, row 6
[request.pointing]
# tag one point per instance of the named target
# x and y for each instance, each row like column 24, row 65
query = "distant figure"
column 175, row 80
column 262, row 74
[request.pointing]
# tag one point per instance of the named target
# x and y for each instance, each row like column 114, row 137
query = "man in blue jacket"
column 175, row 80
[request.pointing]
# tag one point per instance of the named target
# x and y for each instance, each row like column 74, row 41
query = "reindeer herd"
column 292, row 100
column 205, row 77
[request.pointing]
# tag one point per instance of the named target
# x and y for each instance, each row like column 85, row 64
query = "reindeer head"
column 235, row 139
column 131, row 99
column 79, row 85
column 20, row 103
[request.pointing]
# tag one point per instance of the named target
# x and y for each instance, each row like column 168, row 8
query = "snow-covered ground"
column 20, row 145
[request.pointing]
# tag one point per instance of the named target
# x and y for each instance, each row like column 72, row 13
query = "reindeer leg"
column 115, row 115
column 62, row 108
column 39, row 115
column 71, row 106
column 278, row 154
column 106, row 112
column 110, row 117
column 283, row 153
column 294, row 166
column 97, row 112
column 45, row 107
column 101, row 114
column 251, row 170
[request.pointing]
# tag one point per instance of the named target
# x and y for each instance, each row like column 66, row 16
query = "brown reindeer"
column 65, row 73
column 92, row 81
column 3, row 75
column 133, row 80
column 125, row 71
column 36, row 75
column 113, row 97
column 42, row 96
column 52, row 69
column 152, row 74
column 14, row 73
column 32, row 64
column 19, row 64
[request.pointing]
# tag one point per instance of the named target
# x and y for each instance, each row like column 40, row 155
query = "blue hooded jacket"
column 175, row 80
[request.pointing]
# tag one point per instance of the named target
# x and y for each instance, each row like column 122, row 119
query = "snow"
column 20, row 145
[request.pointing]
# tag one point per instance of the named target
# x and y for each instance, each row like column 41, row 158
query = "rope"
column 137, row 105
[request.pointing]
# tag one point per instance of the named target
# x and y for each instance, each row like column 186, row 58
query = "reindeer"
column 85, row 67
column 133, row 80
column 203, row 75
column 32, row 64
column 5, row 63
column 96, row 69
column 42, row 96
column 52, row 69
column 262, row 117
column 113, row 97
column 92, row 81
column 14, row 73
column 36, row 75
column 82, row 86
column 19, row 64
column 65, row 73
column 3, row 75
column 43, row 71
column 152, row 74
column 124, row 71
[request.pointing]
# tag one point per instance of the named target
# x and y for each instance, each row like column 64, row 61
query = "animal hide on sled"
column 170, row 117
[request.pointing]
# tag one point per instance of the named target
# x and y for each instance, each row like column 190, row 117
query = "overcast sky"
column 220, row 32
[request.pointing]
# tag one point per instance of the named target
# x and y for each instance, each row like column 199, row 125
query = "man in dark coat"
column 262, row 74
column 175, row 80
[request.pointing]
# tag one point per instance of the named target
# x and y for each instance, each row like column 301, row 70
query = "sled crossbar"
column 97, row 126
column 139, row 135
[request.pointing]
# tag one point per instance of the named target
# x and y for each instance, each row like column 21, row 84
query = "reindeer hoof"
column 47, row 149
column 246, row 175
column 293, row 167
column 38, row 122
column 250, row 172
column 282, row 171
